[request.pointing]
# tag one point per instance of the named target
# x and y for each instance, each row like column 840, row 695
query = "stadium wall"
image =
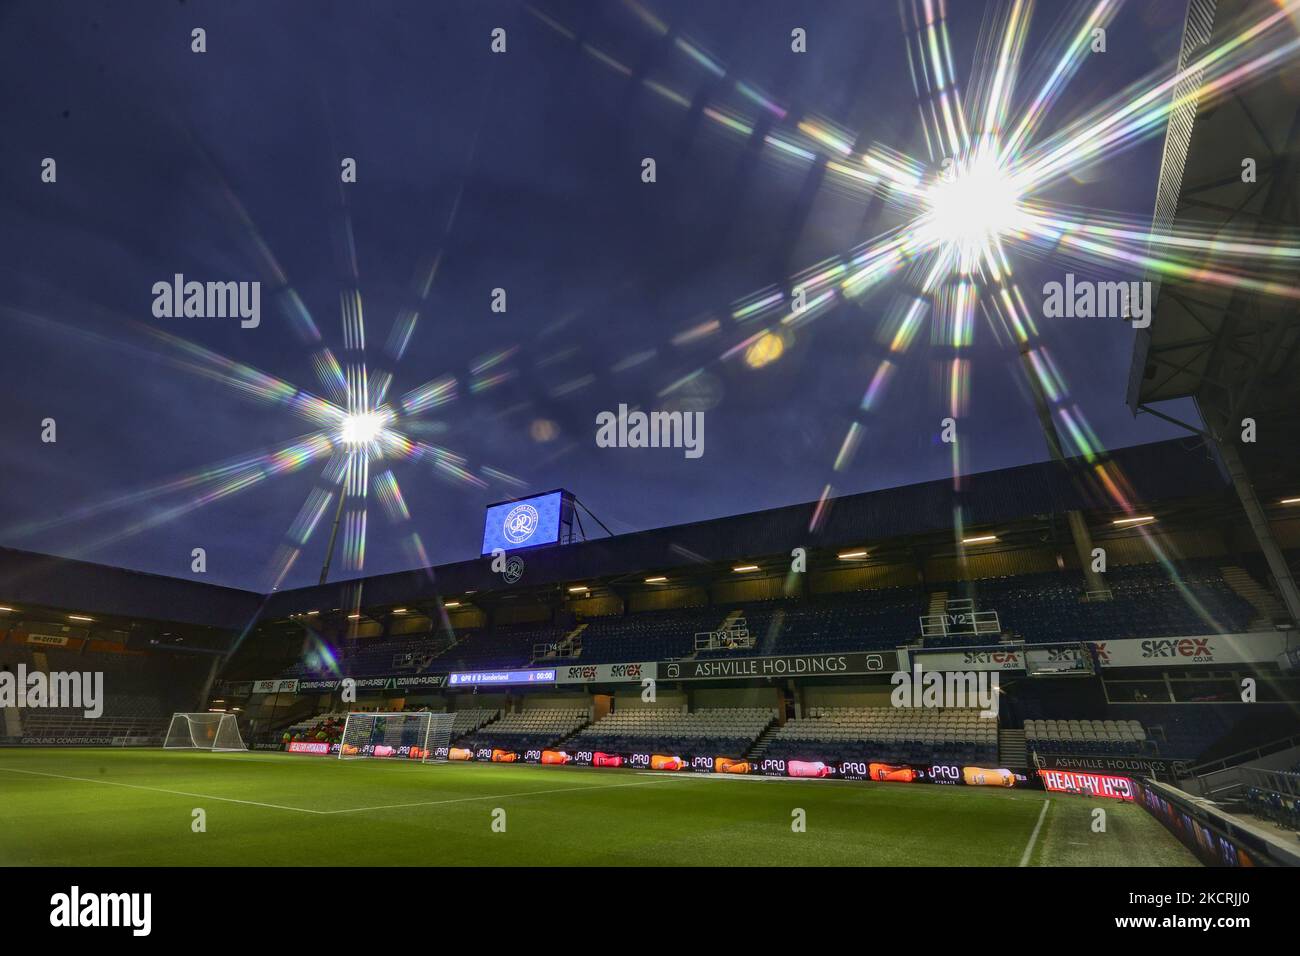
column 836, row 695
column 580, row 700
column 1124, row 549
column 467, row 618
column 1287, row 534
column 667, row 599
column 410, row 624
column 860, row 578
column 522, row 614
column 592, row 607
column 707, row 697
column 629, row 697
column 477, row 701
column 989, row 565
column 752, row 589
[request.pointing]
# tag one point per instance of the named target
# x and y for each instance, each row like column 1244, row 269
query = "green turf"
column 133, row 807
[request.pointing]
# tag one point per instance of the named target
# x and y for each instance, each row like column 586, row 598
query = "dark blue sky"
column 598, row 266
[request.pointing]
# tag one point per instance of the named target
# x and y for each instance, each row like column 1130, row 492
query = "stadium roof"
column 1163, row 471
column 29, row 580
column 1237, row 352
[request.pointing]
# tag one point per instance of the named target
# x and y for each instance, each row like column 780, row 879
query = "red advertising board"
column 1087, row 784
column 318, row 747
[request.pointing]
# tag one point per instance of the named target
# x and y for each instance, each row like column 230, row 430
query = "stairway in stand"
column 759, row 747
column 1012, row 752
column 1269, row 608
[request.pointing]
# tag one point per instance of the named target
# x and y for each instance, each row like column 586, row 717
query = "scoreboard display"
column 527, row 522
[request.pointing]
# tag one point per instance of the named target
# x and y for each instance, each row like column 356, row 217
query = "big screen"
column 524, row 523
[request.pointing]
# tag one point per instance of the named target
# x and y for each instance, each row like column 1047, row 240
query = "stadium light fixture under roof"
column 1141, row 519
column 1290, row 501
column 578, row 589
column 6, row 610
column 851, row 555
column 980, row 539
column 660, row 579
column 79, row 617
column 745, row 568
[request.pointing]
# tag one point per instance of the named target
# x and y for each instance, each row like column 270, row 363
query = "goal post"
column 216, row 732
column 413, row 736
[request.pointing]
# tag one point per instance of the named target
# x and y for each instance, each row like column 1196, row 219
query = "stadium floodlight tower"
column 360, row 434
column 974, row 201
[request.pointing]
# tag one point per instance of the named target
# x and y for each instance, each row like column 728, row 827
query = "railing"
column 733, row 637
column 1232, row 760
column 1278, row 781
column 1219, row 777
column 960, row 623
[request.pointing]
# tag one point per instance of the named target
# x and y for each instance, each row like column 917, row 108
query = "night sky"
column 158, row 148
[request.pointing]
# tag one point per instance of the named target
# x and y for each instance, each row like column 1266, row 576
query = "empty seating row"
column 1085, row 736
column 540, row 727
column 717, row 732
column 469, row 720
column 889, row 734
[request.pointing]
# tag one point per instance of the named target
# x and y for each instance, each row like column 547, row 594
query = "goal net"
column 203, row 732
column 415, row 736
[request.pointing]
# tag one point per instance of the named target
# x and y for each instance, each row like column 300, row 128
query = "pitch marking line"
column 277, row 806
column 498, row 796
column 176, row 793
column 1033, row 837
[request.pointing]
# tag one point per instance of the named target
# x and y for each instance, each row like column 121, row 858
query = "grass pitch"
column 135, row 808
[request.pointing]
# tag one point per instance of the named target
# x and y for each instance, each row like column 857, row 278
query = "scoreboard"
column 528, row 522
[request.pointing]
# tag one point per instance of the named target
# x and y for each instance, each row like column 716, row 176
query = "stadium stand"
column 467, row 721
column 373, row 657
column 729, row 731
column 651, row 635
column 140, row 692
column 1144, row 601
column 499, row 648
column 1085, row 736
column 325, row 727
column 858, row 620
column 531, row 729
column 890, row 734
